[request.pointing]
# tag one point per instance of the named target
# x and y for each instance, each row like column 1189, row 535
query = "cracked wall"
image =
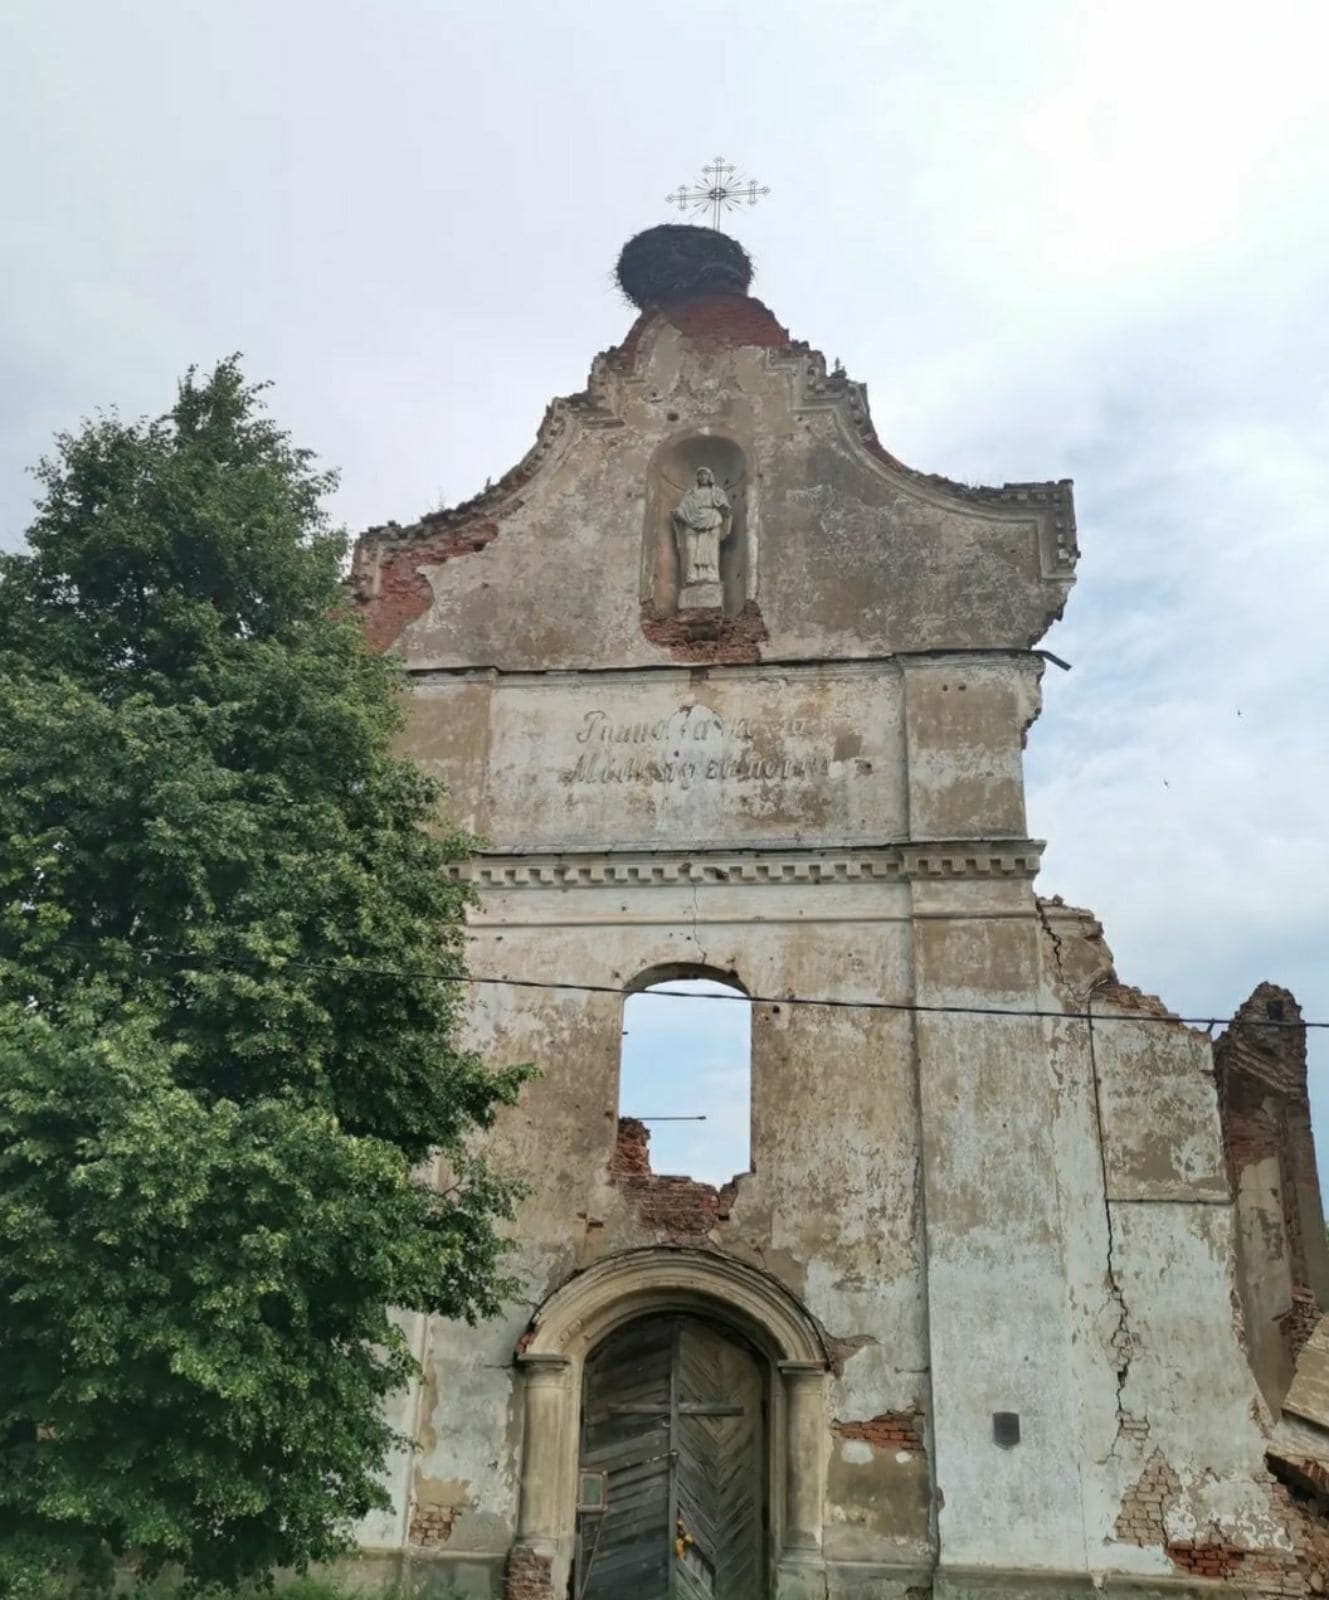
column 1015, row 1232
column 853, row 554
column 830, row 1207
column 1283, row 1267
column 1157, row 1514
column 1171, row 1425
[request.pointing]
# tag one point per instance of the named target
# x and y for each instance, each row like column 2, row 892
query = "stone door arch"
column 654, row 1284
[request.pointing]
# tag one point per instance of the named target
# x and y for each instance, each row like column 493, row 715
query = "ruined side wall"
column 1169, row 1428
column 1283, row 1271
column 1185, row 1394
column 1001, row 1326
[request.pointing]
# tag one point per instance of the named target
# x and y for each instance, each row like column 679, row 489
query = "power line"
column 838, row 1004
column 434, row 974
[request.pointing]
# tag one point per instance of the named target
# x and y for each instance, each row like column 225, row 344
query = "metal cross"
column 720, row 189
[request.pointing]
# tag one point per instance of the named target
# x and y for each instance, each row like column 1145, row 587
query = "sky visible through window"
column 685, row 1056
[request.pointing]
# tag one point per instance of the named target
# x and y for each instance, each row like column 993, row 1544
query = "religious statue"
column 702, row 522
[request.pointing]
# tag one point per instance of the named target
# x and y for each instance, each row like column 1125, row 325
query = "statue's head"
column 705, row 477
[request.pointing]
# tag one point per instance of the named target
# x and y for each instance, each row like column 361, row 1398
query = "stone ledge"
column 1008, row 1583
column 896, row 863
column 404, row 1574
column 849, row 1580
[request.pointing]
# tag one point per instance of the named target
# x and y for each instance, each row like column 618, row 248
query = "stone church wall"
column 1022, row 1316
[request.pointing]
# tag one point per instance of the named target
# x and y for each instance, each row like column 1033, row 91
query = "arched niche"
column 673, row 472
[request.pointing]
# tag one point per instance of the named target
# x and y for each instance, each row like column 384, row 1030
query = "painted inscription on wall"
column 689, row 747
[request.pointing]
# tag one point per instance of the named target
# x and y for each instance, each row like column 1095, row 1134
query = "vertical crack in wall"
column 1120, row 1341
column 1066, row 988
column 696, row 925
column 1054, row 939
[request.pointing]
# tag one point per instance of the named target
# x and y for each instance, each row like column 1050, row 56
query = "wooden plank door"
column 624, row 1551
column 673, row 1417
column 719, row 1462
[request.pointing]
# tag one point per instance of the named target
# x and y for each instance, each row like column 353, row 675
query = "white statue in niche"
column 702, row 521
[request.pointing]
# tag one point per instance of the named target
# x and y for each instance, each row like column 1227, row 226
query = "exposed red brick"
column 720, row 321
column 1300, row 1472
column 1305, row 1516
column 679, row 1209
column 431, row 1524
column 891, row 1430
column 1206, row 1560
column 708, row 637
column 1141, row 1519
column 529, row 1576
column 716, row 321
column 1299, row 1505
column 632, row 1151
column 1126, row 997
column 1266, row 1039
column 1252, row 1131
column 1298, row 1322
column 393, row 592
column 1264, row 1107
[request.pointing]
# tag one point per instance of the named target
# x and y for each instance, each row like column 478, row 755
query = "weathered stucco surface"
column 849, row 554
column 746, row 756
column 1036, row 1344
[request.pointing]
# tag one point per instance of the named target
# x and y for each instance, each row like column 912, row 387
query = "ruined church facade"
column 1021, row 1291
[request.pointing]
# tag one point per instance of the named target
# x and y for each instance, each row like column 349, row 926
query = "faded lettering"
column 690, row 746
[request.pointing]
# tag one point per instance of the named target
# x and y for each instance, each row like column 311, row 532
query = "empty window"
column 686, row 1071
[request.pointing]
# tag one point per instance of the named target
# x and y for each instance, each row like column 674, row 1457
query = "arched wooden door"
column 673, row 1450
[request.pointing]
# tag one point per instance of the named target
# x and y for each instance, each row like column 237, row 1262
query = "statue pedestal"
column 701, row 597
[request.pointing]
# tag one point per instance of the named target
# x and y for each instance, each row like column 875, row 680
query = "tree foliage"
column 223, row 1057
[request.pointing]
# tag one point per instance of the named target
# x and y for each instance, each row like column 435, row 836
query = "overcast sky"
column 1055, row 239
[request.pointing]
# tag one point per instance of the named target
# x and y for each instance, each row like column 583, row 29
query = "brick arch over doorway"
column 576, row 1318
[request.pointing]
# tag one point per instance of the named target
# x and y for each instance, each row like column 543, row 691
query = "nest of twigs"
column 676, row 261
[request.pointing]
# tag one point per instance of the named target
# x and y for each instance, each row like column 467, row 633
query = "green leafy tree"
column 224, row 1061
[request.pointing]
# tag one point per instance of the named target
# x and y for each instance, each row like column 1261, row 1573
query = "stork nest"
column 677, row 262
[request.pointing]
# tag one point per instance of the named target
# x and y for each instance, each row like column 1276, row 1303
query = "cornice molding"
column 599, row 406
column 1007, row 858
column 1050, row 504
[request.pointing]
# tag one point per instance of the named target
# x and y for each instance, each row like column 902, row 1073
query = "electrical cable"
column 915, row 1006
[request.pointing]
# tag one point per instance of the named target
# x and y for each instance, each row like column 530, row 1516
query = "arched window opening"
column 685, row 1074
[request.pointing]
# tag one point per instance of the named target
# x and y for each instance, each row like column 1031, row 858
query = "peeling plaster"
column 822, row 788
